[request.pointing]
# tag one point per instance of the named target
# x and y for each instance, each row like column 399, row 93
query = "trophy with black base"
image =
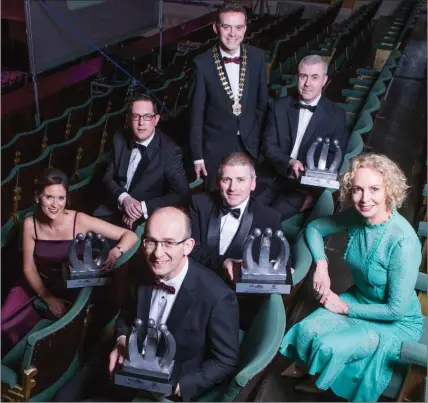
column 265, row 277
column 87, row 272
column 320, row 175
column 148, row 370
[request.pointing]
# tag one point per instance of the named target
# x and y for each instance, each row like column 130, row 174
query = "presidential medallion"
column 236, row 107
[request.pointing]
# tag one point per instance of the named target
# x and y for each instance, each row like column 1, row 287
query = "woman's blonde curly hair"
column 395, row 180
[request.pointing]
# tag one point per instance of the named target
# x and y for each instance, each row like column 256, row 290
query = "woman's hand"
column 333, row 303
column 113, row 255
column 321, row 279
column 56, row 305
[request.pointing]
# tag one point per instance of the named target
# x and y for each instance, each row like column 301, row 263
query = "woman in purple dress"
column 46, row 238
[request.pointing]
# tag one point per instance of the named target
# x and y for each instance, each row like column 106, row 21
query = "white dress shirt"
column 132, row 168
column 228, row 227
column 162, row 301
column 304, row 119
column 232, row 71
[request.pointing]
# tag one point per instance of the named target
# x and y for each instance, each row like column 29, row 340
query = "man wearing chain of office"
column 228, row 97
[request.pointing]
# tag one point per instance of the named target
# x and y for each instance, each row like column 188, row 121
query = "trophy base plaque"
column 143, row 381
column 84, row 281
column 268, row 287
column 320, row 180
column 264, row 284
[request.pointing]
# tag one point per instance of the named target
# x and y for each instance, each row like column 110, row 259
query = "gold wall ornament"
column 20, row 393
column 17, row 158
column 236, row 107
column 16, row 198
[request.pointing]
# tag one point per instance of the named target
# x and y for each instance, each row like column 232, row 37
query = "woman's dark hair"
column 51, row 176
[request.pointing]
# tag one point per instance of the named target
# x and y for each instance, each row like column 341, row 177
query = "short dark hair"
column 51, row 176
column 237, row 158
column 231, row 8
column 143, row 97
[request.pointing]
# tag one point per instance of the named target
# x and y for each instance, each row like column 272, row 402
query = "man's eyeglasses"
column 147, row 117
column 150, row 243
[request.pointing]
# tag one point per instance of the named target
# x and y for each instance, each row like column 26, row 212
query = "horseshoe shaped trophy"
column 265, row 277
column 87, row 272
column 154, row 368
column 319, row 175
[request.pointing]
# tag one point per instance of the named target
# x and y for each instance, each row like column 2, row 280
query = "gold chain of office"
column 236, row 107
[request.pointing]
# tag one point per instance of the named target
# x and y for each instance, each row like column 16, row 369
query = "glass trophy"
column 320, row 175
column 265, row 276
column 154, row 368
column 87, row 272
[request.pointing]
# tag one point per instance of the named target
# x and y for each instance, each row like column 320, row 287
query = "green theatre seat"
column 39, row 365
column 411, row 352
column 259, row 346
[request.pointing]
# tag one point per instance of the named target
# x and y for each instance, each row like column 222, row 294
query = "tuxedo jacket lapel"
column 293, row 120
column 227, row 100
column 151, row 151
column 235, row 247
column 213, row 233
column 183, row 302
column 315, row 121
column 124, row 162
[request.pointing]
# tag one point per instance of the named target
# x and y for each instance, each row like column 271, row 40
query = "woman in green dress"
column 353, row 341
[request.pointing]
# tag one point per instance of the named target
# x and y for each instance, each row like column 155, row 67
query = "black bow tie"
column 310, row 108
column 141, row 147
column 236, row 212
column 168, row 288
column 236, row 60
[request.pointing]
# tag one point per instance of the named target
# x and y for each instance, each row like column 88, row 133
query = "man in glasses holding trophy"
column 177, row 333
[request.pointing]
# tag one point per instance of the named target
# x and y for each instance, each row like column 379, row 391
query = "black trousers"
column 93, row 382
column 283, row 195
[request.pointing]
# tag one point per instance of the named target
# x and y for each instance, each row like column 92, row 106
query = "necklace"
column 236, row 107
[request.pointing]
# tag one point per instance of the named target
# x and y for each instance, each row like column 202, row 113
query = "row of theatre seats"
column 29, row 372
column 336, row 44
column 82, row 136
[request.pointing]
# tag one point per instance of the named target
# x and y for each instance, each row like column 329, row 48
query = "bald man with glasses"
column 200, row 310
column 146, row 169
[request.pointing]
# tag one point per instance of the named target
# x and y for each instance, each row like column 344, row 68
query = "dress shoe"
column 295, row 371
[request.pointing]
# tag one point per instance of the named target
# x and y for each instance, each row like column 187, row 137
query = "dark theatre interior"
column 68, row 77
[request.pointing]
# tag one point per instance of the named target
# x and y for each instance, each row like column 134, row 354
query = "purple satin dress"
column 18, row 315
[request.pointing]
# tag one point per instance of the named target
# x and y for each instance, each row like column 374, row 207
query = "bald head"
column 167, row 242
column 170, row 217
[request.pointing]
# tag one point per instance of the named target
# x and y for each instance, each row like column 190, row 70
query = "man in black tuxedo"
column 292, row 126
column 228, row 97
column 222, row 220
column 146, row 169
column 200, row 310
